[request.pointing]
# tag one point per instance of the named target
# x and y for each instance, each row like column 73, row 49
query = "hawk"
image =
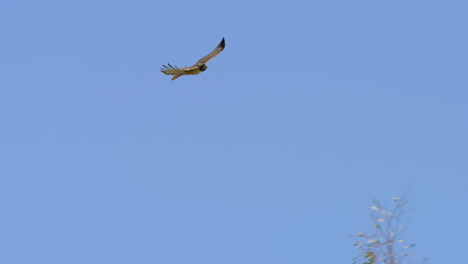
column 199, row 67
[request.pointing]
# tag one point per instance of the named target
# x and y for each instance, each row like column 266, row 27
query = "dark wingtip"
column 221, row 44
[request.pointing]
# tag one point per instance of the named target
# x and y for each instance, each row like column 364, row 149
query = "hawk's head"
column 203, row 67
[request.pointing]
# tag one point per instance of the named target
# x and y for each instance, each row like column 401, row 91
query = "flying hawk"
column 199, row 67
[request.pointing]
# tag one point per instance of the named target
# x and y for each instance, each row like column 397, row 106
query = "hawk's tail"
column 176, row 76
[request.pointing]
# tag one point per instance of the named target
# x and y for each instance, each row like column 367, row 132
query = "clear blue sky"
column 270, row 156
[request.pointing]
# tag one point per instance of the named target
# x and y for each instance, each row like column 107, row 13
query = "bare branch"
column 384, row 243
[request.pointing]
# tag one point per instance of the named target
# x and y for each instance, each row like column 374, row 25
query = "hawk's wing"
column 174, row 70
column 212, row 54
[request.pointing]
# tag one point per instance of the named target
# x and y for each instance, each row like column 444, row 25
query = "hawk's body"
column 199, row 67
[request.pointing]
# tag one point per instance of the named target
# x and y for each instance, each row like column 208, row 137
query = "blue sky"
column 272, row 155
